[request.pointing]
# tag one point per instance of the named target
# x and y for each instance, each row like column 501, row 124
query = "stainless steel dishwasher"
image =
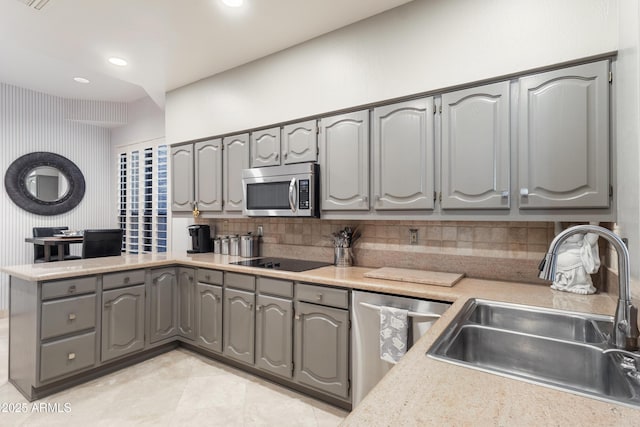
column 367, row 367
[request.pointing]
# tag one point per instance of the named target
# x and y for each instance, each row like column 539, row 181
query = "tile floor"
column 179, row 388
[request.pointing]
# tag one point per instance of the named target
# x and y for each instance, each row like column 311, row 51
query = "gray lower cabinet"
column 239, row 325
column 321, row 354
column 122, row 321
column 186, row 303
column 274, row 337
column 163, row 298
column 208, row 310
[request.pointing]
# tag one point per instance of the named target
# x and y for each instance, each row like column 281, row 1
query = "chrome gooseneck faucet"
column 625, row 324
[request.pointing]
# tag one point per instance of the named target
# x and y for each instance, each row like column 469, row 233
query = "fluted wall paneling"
column 33, row 121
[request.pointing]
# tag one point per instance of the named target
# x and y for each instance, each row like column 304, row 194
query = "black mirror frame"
column 14, row 183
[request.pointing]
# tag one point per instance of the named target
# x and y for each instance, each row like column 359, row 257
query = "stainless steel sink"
column 578, row 327
column 558, row 349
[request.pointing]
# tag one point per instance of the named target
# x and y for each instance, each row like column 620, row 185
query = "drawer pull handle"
column 319, row 297
column 72, row 316
column 71, row 356
column 208, row 277
column 126, row 280
column 72, row 289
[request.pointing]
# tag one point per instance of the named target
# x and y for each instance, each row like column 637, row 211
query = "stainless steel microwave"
column 290, row 190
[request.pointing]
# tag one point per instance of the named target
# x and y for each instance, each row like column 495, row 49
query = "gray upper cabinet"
column 209, row 316
column 163, row 322
column 403, row 156
column 236, row 158
column 300, row 142
column 239, row 325
column 563, row 138
column 122, row 321
column 344, row 159
column 182, row 178
column 186, row 303
column 475, row 148
column 208, row 175
column 265, row 147
column 274, row 336
column 322, row 348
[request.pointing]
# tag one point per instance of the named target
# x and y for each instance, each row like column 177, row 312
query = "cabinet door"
column 274, row 335
column 475, row 148
column 322, row 348
column 265, row 148
column 300, row 142
column 563, row 138
column 236, row 158
column 209, row 316
column 122, row 321
column 208, row 176
column 182, row 178
column 186, row 303
column 239, row 325
column 344, row 159
column 403, row 156
column 163, row 307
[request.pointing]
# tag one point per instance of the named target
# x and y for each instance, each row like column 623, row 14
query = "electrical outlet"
column 260, row 230
column 413, row 236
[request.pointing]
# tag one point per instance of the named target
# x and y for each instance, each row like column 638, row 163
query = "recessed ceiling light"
column 117, row 61
column 233, row 3
column 81, row 80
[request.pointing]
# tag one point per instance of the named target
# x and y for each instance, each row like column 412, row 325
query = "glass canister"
column 234, row 245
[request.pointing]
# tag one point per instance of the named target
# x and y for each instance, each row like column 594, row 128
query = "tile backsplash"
column 489, row 250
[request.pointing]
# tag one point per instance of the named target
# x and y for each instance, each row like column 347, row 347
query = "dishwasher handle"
column 417, row 316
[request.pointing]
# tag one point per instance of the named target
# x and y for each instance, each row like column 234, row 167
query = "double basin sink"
column 559, row 349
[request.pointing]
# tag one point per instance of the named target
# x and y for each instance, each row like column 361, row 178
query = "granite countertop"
column 418, row 391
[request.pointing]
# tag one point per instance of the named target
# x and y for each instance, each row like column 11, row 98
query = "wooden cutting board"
column 423, row 277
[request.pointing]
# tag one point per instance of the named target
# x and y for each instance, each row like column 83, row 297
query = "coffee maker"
column 200, row 238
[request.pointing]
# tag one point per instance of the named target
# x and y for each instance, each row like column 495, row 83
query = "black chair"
column 38, row 250
column 99, row 243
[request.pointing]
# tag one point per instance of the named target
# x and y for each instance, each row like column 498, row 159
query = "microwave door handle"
column 293, row 193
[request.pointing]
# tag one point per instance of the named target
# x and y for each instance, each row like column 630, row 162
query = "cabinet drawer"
column 283, row 288
column 322, row 295
column 68, row 287
column 124, row 278
column 240, row 281
column 67, row 355
column 213, row 277
column 67, row 315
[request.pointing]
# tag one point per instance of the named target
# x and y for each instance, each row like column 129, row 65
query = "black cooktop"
column 287, row 264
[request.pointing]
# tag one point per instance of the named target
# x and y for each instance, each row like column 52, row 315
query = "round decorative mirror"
column 44, row 183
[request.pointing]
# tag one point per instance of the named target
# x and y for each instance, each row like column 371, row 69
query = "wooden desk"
column 47, row 242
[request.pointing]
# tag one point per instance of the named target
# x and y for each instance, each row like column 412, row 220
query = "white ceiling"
column 168, row 43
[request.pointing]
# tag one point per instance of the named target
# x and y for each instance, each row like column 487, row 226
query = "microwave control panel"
column 303, row 194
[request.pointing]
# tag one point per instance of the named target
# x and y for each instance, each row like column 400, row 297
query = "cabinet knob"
column 319, row 297
column 71, row 356
column 72, row 316
column 297, row 317
column 250, row 306
column 107, row 305
column 524, row 192
column 207, row 276
column 126, row 280
column 365, row 199
column 258, row 307
column 72, row 289
column 277, row 157
column 217, row 298
column 505, row 194
column 284, row 155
